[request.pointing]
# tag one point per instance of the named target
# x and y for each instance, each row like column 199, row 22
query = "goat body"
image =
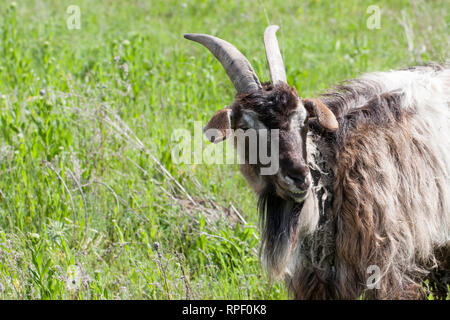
column 360, row 204
column 381, row 194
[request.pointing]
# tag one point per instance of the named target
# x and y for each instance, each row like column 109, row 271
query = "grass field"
column 91, row 204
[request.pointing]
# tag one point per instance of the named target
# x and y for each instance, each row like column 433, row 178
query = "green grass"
column 82, row 199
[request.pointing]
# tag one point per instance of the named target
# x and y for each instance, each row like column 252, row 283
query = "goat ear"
column 326, row 118
column 219, row 126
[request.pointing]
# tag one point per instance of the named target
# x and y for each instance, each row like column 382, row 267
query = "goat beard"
column 282, row 222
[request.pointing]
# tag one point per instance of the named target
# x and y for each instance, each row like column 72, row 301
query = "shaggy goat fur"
column 381, row 194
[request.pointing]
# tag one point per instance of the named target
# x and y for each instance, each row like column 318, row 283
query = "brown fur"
column 371, row 140
column 378, row 197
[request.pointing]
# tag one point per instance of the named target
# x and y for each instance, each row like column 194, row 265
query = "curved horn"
column 273, row 55
column 236, row 65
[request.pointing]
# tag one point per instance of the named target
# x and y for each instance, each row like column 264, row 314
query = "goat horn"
column 235, row 63
column 273, row 55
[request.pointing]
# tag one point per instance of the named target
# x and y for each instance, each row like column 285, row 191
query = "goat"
column 363, row 182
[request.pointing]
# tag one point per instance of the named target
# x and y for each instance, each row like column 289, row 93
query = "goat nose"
column 300, row 178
